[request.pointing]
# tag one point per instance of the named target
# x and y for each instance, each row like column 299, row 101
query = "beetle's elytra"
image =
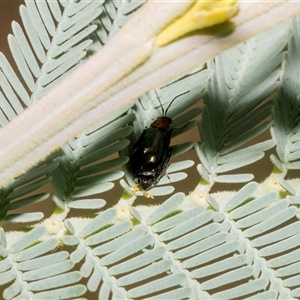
column 152, row 152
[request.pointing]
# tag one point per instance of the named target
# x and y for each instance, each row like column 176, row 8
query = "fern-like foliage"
column 286, row 130
column 55, row 37
column 242, row 244
column 175, row 252
column 22, row 192
column 52, row 41
column 234, row 113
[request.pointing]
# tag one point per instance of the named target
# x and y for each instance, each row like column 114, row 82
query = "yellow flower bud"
column 201, row 15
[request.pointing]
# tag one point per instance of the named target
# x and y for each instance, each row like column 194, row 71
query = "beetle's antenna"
column 141, row 104
column 173, row 101
column 162, row 109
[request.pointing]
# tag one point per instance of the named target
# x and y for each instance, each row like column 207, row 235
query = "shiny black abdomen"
column 150, row 157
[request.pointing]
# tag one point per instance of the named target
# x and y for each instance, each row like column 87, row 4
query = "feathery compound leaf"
column 52, row 41
column 87, row 174
column 18, row 194
column 286, row 129
column 233, row 113
column 46, row 48
column 193, row 237
column 33, row 269
column 116, row 243
column 270, row 225
column 178, row 250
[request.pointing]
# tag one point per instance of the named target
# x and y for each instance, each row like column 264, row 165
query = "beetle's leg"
column 166, row 165
column 135, row 188
column 176, row 130
column 149, row 196
column 168, row 176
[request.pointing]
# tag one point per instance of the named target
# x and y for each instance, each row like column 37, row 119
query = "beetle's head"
column 163, row 123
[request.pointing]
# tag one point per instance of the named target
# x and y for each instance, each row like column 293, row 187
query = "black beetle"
column 152, row 152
